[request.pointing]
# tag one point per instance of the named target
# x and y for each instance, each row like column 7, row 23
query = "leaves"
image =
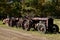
column 31, row 7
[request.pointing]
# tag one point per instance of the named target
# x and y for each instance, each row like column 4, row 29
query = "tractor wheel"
column 41, row 28
column 55, row 28
column 26, row 26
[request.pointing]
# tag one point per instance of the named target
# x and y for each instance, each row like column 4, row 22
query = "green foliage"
column 48, row 9
column 11, row 9
column 16, row 8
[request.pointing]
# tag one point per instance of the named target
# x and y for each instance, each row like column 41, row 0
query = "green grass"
column 36, row 33
column 57, row 21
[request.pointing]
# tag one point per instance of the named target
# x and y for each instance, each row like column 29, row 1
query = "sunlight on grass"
column 57, row 21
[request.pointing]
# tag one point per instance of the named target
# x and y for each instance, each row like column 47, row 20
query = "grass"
column 48, row 36
column 57, row 21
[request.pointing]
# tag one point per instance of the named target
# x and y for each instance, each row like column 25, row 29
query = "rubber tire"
column 55, row 28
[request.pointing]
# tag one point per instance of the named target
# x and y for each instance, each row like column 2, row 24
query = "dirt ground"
column 7, row 34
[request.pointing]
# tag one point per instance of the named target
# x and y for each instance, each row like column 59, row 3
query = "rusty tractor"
column 44, row 25
column 41, row 24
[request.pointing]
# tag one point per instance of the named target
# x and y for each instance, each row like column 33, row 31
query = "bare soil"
column 7, row 34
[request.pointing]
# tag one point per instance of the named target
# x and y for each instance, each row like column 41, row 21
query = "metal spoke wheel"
column 26, row 26
column 55, row 28
column 41, row 28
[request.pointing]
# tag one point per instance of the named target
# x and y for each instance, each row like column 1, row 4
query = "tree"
column 10, row 8
column 48, row 9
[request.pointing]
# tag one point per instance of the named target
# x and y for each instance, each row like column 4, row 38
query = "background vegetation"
column 19, row 8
